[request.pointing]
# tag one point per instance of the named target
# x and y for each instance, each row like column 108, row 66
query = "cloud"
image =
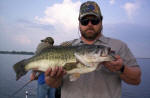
column 22, row 39
column 131, row 9
column 112, row 1
column 62, row 16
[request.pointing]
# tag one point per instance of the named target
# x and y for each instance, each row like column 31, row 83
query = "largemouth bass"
column 74, row 59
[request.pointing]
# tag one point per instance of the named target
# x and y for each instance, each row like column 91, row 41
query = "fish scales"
column 75, row 59
column 53, row 54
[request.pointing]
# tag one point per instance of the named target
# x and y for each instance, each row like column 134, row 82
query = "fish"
column 74, row 59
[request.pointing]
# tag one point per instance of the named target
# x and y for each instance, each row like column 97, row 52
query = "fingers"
column 56, row 72
column 59, row 72
column 114, row 66
column 109, row 66
column 48, row 71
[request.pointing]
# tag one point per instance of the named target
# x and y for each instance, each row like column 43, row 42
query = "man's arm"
column 53, row 77
column 130, row 75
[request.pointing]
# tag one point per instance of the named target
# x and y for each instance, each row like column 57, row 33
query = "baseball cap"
column 50, row 40
column 90, row 8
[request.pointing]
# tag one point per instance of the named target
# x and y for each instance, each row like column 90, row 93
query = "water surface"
column 9, row 85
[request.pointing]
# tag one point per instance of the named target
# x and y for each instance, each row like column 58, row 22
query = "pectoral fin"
column 74, row 77
column 70, row 66
column 81, row 60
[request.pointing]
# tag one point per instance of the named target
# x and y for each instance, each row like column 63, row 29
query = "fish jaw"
column 92, row 59
column 82, row 69
column 101, row 59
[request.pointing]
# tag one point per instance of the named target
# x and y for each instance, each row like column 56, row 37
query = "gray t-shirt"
column 101, row 83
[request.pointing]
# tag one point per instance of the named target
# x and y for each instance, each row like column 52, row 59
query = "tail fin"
column 19, row 68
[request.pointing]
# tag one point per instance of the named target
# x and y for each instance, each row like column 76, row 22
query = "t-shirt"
column 101, row 83
column 41, row 78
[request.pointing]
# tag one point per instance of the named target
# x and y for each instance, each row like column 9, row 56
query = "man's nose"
column 90, row 24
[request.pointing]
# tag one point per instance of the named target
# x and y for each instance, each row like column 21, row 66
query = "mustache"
column 89, row 29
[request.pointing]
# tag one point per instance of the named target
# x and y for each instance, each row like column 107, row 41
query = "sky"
column 23, row 23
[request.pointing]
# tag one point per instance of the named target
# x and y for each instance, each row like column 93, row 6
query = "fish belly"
column 43, row 65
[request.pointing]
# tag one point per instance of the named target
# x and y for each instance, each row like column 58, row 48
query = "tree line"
column 17, row 52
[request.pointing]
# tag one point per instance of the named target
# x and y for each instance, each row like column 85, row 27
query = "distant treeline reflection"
column 17, row 52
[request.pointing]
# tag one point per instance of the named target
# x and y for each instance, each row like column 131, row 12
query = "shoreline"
column 17, row 52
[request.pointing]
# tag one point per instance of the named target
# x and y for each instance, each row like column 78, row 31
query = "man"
column 43, row 90
column 105, row 82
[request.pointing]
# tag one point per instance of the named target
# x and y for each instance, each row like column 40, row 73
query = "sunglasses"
column 85, row 21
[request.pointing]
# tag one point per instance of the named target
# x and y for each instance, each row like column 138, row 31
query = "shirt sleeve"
column 127, row 56
column 68, row 43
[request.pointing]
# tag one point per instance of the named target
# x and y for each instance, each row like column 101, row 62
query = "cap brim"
column 86, row 14
column 42, row 40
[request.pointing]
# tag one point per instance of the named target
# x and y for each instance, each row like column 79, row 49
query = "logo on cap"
column 90, row 8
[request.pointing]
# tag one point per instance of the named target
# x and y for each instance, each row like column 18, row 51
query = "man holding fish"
column 105, row 81
column 92, row 66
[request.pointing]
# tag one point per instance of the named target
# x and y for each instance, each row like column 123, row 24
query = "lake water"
column 8, row 84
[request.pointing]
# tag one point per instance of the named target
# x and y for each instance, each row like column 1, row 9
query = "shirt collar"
column 102, row 39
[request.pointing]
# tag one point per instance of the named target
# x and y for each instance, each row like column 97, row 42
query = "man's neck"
column 90, row 41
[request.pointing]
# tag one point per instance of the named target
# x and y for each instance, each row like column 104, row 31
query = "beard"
column 90, row 35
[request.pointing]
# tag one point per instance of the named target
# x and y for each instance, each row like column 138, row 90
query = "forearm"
column 131, row 75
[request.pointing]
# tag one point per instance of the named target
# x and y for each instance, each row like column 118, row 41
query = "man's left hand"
column 114, row 66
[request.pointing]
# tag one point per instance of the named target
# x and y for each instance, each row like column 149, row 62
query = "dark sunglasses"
column 85, row 21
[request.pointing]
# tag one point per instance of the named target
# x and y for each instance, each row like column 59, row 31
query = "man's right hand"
column 53, row 77
column 33, row 76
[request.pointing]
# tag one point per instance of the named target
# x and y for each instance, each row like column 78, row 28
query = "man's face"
column 90, row 27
